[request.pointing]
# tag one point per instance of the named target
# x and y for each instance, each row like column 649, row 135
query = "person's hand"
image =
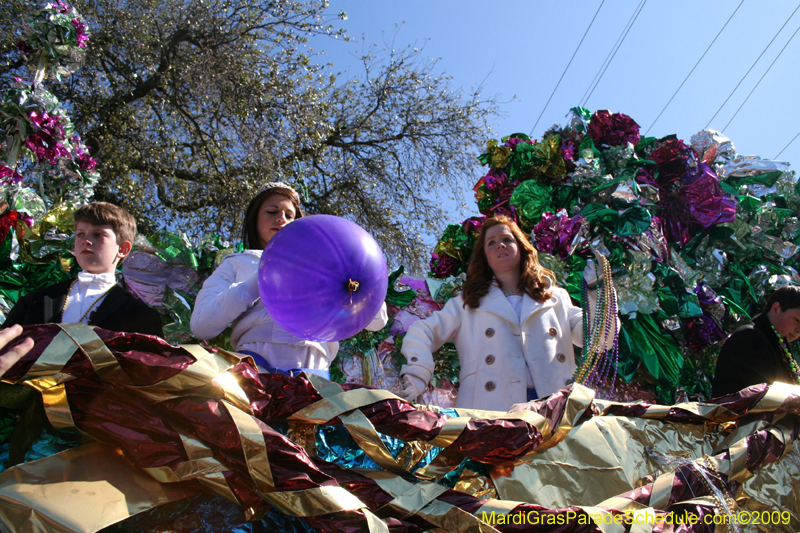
column 590, row 272
column 412, row 387
column 17, row 352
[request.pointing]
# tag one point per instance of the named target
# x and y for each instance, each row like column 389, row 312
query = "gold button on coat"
column 489, row 332
column 553, row 332
column 489, row 386
column 489, row 359
column 561, row 358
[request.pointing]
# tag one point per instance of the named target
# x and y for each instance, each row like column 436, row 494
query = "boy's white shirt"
column 87, row 292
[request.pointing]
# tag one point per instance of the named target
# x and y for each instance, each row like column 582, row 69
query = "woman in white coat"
column 230, row 295
column 513, row 328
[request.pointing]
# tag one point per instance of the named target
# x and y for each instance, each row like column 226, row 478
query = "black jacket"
column 751, row 355
column 119, row 310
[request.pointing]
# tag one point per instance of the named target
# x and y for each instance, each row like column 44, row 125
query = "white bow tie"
column 98, row 280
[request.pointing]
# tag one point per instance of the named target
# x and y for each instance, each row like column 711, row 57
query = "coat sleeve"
column 17, row 313
column 740, row 366
column 223, row 298
column 380, row 320
column 426, row 336
column 151, row 321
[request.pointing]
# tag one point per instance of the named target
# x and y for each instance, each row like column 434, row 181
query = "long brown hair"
column 532, row 274
column 250, row 224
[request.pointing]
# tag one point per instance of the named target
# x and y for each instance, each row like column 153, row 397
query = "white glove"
column 412, row 387
column 590, row 272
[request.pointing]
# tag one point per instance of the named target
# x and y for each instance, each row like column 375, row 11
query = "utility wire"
column 787, row 146
column 568, row 64
column 695, row 66
column 762, row 77
column 615, row 50
column 751, row 66
column 599, row 70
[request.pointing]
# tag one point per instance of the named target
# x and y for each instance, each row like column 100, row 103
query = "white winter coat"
column 495, row 351
column 230, row 296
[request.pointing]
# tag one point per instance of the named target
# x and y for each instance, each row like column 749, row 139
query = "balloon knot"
column 351, row 287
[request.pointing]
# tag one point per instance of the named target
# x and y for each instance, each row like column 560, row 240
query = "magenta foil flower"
column 443, row 266
column 514, row 141
column 9, row 176
column 613, row 129
column 473, row 225
column 699, row 203
column 554, row 233
column 674, row 158
column 80, row 31
column 46, row 142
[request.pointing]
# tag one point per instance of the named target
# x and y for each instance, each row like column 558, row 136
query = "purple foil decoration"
column 554, row 233
column 9, row 176
column 707, row 201
column 702, row 332
column 443, row 265
column 568, row 150
column 613, row 129
column 473, row 225
column 514, row 141
column 80, row 31
column 45, row 143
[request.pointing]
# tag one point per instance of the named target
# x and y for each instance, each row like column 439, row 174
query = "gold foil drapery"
column 587, row 460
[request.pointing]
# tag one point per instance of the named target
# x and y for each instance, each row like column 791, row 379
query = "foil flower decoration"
column 554, row 234
column 673, row 157
column 9, row 176
column 81, row 36
column 698, row 202
column 493, row 192
column 443, row 266
column 46, row 142
column 613, row 129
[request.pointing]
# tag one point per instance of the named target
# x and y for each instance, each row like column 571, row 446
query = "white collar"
column 102, row 281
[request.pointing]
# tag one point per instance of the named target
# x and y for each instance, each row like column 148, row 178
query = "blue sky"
column 519, row 51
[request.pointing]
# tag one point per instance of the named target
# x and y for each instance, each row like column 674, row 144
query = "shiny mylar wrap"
column 187, row 421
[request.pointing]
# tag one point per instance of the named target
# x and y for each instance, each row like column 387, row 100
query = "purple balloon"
column 305, row 272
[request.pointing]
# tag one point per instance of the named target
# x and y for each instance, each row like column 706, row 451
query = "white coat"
column 496, row 348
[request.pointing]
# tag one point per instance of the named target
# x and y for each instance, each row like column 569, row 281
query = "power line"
column 751, row 66
column 601, row 72
column 610, row 52
column 568, row 64
column 787, row 146
column 695, row 66
column 762, row 77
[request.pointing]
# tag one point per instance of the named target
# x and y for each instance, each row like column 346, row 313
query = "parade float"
column 101, row 431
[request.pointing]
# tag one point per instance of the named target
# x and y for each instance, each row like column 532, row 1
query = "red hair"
column 533, row 276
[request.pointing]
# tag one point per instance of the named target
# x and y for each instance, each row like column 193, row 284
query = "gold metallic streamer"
column 254, row 448
column 53, row 358
column 82, row 489
column 335, row 400
column 103, row 361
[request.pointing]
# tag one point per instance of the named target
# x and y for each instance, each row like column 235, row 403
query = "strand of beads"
column 788, row 361
column 600, row 365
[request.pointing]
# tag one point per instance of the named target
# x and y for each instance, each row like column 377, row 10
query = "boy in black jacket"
column 104, row 235
column 756, row 352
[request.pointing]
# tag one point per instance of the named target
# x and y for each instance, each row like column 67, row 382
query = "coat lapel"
column 53, row 304
column 112, row 301
column 496, row 302
column 531, row 306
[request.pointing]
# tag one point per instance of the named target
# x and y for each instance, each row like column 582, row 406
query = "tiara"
column 276, row 185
